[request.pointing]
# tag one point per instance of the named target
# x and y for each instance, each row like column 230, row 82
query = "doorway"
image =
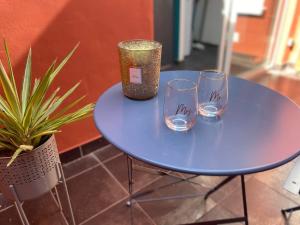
column 229, row 35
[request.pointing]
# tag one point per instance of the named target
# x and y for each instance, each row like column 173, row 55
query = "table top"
column 258, row 131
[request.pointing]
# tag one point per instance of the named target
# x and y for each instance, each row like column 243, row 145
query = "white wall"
column 189, row 5
column 185, row 28
column 212, row 29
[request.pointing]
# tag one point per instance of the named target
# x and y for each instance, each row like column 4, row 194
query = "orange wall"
column 254, row 32
column 52, row 28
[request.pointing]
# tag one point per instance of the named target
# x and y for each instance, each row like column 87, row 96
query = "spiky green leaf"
column 10, row 94
column 12, row 77
column 57, row 103
column 15, row 155
column 19, row 151
column 26, row 83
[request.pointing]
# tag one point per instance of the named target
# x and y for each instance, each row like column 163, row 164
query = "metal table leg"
column 289, row 210
column 216, row 188
column 130, row 180
column 230, row 220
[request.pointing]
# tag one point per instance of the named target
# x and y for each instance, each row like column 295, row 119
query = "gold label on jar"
column 135, row 75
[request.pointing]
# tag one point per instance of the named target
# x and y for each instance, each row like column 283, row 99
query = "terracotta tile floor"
column 97, row 184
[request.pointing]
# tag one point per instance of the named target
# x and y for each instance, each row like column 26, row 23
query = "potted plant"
column 29, row 118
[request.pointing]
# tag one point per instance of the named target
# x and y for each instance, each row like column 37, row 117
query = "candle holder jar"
column 140, row 68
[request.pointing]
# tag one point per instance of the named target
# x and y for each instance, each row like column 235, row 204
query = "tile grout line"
column 229, row 193
column 146, row 214
column 113, row 157
column 102, row 211
column 278, row 192
column 98, row 162
column 211, row 209
column 101, row 163
column 82, row 172
column 285, row 196
column 75, row 160
column 241, row 199
column 119, row 201
column 134, row 191
column 110, row 173
column 85, row 155
column 149, row 183
column 102, row 149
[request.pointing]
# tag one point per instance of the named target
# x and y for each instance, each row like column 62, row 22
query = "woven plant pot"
column 32, row 174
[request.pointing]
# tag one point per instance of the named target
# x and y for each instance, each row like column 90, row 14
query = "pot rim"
column 33, row 150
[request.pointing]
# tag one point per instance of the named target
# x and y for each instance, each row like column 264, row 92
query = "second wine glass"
column 212, row 93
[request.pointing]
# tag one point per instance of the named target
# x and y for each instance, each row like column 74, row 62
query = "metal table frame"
column 251, row 109
column 289, row 210
column 134, row 198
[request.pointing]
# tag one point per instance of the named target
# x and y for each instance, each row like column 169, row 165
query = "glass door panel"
column 252, row 34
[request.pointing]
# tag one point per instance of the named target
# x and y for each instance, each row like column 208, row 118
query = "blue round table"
column 258, row 131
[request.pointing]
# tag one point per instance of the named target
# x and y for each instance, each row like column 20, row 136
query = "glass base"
column 210, row 110
column 179, row 123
